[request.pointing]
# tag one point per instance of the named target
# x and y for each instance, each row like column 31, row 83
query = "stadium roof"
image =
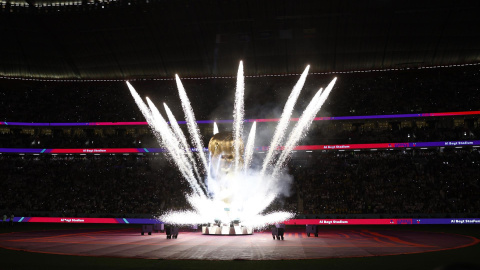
column 156, row 39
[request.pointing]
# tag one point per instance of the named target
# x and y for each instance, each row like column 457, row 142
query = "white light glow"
column 282, row 125
column 191, row 122
column 179, row 134
column 238, row 116
column 245, row 193
column 250, row 147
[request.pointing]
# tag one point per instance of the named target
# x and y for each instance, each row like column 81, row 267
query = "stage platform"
column 331, row 243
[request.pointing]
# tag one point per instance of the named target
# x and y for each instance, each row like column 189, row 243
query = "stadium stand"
column 395, row 183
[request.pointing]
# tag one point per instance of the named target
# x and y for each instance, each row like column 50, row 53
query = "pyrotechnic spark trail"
column 186, row 148
column 238, row 114
column 299, row 131
column 145, row 111
column 284, row 120
column 235, row 191
column 172, row 145
column 191, row 122
column 250, row 147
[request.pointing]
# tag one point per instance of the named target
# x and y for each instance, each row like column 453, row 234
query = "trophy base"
column 227, row 230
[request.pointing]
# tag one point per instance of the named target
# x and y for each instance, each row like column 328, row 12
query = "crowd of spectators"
column 374, row 93
column 321, row 132
column 390, row 182
column 469, row 129
column 332, row 182
column 366, row 182
column 81, row 184
column 15, row 137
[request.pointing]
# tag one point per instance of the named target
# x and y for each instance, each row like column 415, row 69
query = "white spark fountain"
column 238, row 114
column 282, row 125
column 250, row 147
column 245, row 194
column 303, row 124
column 174, row 148
column 191, row 122
column 185, row 147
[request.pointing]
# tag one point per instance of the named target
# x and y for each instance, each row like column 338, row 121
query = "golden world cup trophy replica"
column 222, row 154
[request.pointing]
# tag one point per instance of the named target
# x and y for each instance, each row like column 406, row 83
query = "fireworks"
column 239, row 193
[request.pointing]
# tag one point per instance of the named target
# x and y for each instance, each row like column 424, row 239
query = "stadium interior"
column 398, row 138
